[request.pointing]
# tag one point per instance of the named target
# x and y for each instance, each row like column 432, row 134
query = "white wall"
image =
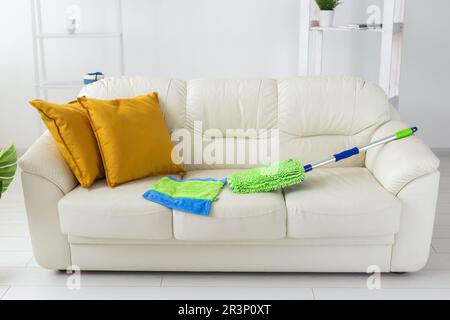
column 17, row 121
column 211, row 38
column 220, row 38
column 425, row 79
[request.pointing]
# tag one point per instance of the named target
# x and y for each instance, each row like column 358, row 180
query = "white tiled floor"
column 441, row 245
column 265, row 280
column 36, row 276
column 383, row 294
column 22, row 278
column 15, row 259
column 3, row 291
column 439, row 262
column 159, row 293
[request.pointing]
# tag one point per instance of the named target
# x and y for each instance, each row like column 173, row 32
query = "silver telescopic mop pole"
column 354, row 151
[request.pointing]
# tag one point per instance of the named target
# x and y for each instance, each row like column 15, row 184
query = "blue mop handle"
column 354, row 151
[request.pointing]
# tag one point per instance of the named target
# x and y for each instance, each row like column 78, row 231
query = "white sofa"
column 374, row 209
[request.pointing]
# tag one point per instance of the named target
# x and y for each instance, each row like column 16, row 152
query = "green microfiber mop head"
column 268, row 178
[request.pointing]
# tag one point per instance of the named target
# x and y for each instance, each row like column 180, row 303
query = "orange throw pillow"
column 69, row 125
column 132, row 136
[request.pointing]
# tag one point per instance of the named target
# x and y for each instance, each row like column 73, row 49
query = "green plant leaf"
column 8, row 167
column 328, row 4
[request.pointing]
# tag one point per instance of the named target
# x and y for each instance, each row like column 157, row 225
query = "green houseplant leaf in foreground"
column 8, row 166
column 328, row 4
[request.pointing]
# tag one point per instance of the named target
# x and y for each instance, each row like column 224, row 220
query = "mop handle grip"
column 346, row 154
column 405, row 133
column 354, row 151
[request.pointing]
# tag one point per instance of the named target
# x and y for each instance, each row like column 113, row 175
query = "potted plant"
column 327, row 11
column 8, row 165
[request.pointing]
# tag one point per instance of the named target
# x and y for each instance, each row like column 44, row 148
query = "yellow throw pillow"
column 70, row 127
column 132, row 137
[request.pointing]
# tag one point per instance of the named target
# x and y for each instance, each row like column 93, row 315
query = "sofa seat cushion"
column 233, row 216
column 115, row 213
column 341, row 202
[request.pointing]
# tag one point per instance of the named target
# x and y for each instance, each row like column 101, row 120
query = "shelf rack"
column 311, row 39
column 42, row 85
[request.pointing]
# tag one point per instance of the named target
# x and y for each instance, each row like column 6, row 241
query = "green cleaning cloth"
column 190, row 195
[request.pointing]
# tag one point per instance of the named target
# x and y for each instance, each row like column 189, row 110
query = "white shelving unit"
column 39, row 38
column 311, row 39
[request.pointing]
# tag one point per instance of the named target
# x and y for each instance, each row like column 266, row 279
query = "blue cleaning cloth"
column 190, row 195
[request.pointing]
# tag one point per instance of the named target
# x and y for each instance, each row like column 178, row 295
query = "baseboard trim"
column 442, row 152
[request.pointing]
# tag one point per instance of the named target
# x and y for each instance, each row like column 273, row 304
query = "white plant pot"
column 326, row 18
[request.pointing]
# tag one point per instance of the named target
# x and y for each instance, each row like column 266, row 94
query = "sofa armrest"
column 43, row 159
column 399, row 162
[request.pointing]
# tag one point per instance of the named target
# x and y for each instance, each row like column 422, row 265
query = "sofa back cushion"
column 171, row 94
column 244, row 123
column 320, row 116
